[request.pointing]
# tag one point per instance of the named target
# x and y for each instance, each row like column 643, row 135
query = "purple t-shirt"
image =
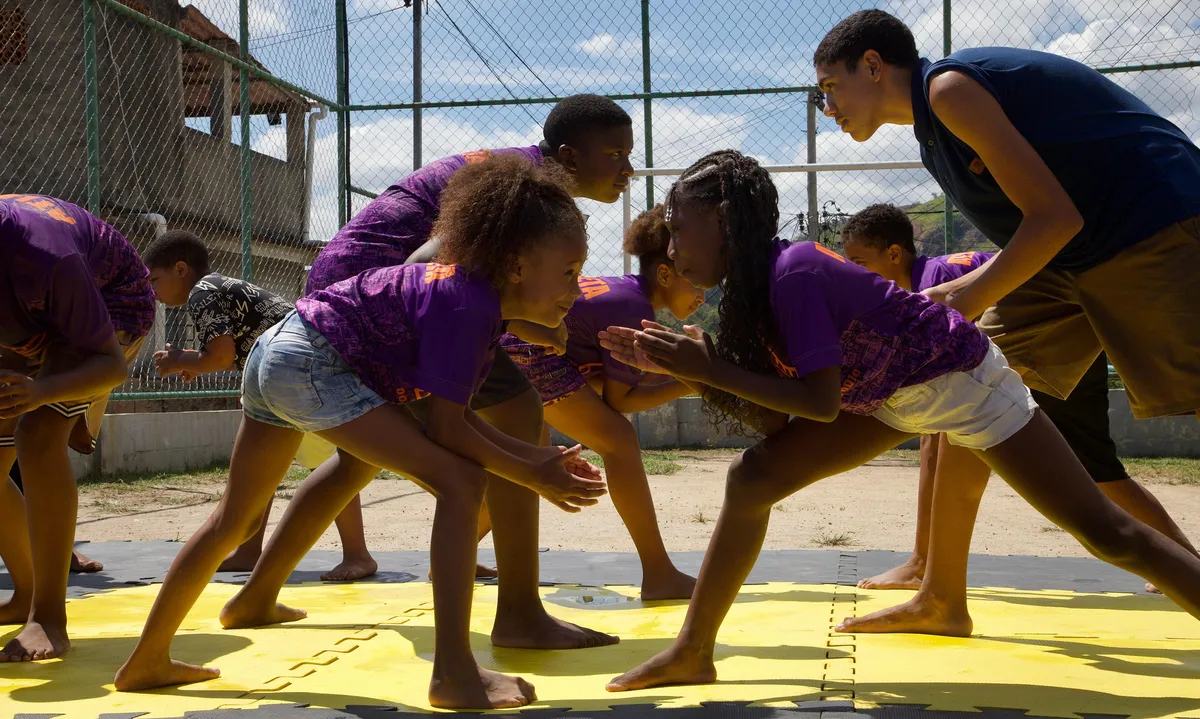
column 67, row 276
column 932, row 271
column 396, row 223
column 832, row 312
column 411, row 330
column 606, row 302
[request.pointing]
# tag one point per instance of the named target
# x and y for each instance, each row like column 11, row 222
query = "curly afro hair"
column 175, row 246
column 866, row 30
column 494, row 210
column 647, row 239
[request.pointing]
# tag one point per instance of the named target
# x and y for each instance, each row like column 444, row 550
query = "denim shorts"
column 294, row 379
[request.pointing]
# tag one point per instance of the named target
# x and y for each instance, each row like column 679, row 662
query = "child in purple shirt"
column 587, row 392
column 880, row 238
column 860, row 365
column 383, row 366
column 75, row 306
column 590, row 137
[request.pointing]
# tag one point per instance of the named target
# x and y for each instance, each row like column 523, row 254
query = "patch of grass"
column 141, row 481
column 1051, row 528
column 1168, row 470
column 906, row 456
column 660, row 463
column 779, row 508
column 832, row 539
column 699, row 517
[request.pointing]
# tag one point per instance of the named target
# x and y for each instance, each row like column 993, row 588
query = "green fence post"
column 247, row 174
column 649, row 121
column 92, row 108
column 948, row 216
column 343, row 130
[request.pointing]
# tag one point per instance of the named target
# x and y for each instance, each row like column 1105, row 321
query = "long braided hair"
column 749, row 205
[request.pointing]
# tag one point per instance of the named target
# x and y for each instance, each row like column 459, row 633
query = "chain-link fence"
column 263, row 125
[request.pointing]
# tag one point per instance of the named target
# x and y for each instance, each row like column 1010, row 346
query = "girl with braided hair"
column 860, row 366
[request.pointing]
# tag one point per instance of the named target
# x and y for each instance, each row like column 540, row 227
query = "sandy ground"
column 872, row 507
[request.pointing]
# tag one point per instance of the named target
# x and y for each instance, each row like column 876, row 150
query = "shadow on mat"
column 1035, row 700
column 603, row 599
column 1170, row 664
column 1105, row 602
column 93, row 662
column 614, row 660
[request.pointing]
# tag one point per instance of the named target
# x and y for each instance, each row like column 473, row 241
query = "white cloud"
column 607, row 46
column 267, row 17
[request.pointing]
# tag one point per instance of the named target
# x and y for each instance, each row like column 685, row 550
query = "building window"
column 14, row 36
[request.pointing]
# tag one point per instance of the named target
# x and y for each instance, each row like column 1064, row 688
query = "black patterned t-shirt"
column 221, row 305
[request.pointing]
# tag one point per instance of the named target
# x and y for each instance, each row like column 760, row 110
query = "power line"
column 509, row 46
column 483, row 59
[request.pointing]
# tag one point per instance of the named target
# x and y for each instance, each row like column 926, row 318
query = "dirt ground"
column 872, row 507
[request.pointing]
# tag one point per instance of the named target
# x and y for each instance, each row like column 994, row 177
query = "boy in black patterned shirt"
column 229, row 315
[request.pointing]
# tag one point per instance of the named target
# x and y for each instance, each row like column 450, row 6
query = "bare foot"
column 481, row 689
column 15, row 610
column 351, row 569
column 240, row 614
column 543, row 631
column 136, row 676
column 1151, row 589
column 919, row 615
column 674, row 666
column 35, row 643
column 241, row 560
column 672, row 585
column 81, row 564
column 906, row 576
column 482, row 571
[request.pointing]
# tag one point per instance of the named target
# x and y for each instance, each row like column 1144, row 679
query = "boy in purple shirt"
column 75, row 306
column 587, row 392
column 880, row 238
column 383, row 365
column 860, row 365
column 588, row 136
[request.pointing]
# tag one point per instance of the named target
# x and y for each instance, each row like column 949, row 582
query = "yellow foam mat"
column 1049, row 653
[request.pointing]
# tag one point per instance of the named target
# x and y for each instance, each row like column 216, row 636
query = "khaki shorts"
column 1142, row 307
column 88, row 410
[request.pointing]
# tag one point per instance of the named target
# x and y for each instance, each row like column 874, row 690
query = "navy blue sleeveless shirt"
column 1129, row 171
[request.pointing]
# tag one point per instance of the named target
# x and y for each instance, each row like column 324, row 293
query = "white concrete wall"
column 177, row 441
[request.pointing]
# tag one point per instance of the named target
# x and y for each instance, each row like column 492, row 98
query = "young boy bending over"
column 229, row 315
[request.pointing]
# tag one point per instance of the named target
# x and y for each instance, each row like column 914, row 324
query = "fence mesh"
column 169, row 120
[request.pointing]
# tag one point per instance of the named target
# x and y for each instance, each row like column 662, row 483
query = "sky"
column 477, row 49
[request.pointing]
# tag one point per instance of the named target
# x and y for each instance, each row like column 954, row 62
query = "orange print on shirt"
column 44, row 205
column 476, row 156
column 960, row 258
column 592, row 287
column 781, row 367
column 434, row 271
column 827, row 251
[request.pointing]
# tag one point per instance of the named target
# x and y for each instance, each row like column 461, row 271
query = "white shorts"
column 978, row 409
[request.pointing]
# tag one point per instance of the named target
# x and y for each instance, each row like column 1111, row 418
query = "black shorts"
column 1082, row 418
column 503, row 383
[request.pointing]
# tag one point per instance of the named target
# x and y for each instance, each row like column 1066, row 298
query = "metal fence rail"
column 264, row 125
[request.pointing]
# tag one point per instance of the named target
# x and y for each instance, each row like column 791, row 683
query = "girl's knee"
column 465, row 490
column 42, row 429
column 749, row 481
column 618, row 439
column 1117, row 539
